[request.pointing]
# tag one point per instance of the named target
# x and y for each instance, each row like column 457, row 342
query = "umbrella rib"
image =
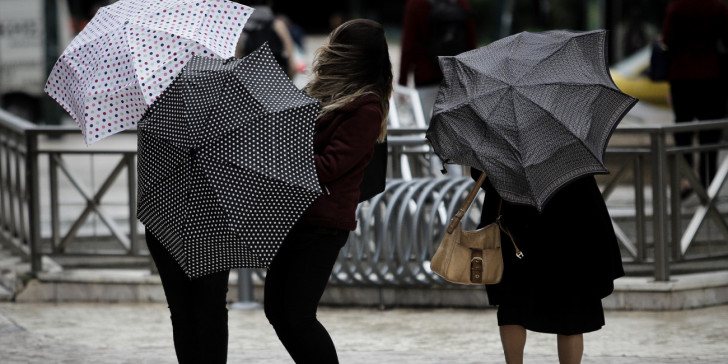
column 520, row 157
column 558, row 123
column 625, row 106
column 513, row 148
column 544, row 59
column 272, row 177
column 470, row 99
column 74, row 45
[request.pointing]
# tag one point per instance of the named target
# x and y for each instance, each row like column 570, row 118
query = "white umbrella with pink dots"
column 131, row 51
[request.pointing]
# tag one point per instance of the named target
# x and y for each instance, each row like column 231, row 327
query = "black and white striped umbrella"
column 226, row 162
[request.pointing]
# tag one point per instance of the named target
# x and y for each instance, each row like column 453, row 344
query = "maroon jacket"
column 343, row 146
column 415, row 34
column 691, row 32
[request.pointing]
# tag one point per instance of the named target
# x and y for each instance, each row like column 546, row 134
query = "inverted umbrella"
column 226, row 163
column 129, row 53
column 533, row 110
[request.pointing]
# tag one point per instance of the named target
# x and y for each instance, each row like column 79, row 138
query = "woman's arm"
column 279, row 26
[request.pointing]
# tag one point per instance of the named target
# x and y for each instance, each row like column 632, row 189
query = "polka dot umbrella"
column 130, row 52
column 226, row 162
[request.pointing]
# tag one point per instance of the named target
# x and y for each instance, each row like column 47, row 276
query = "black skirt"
column 569, row 317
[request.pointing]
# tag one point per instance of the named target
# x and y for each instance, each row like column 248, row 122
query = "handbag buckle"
column 476, row 266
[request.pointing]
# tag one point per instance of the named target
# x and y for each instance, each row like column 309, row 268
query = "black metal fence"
column 64, row 200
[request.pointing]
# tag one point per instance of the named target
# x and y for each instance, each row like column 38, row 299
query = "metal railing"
column 398, row 230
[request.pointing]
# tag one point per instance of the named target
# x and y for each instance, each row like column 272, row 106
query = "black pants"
column 699, row 100
column 198, row 309
column 294, row 285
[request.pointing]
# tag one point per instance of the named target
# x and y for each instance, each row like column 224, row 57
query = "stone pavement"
column 78, row 333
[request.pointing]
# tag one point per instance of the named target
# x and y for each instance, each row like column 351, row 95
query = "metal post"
column 51, row 110
column 55, row 213
column 659, row 206
column 639, row 200
column 32, row 176
column 675, row 204
column 245, row 291
column 132, row 190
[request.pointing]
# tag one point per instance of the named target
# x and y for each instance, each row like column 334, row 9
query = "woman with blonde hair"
column 352, row 77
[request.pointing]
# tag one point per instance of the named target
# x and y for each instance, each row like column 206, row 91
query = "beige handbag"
column 471, row 257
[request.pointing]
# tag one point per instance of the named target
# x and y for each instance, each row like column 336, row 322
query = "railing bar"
column 92, row 203
column 675, row 164
column 624, row 239
column 662, row 268
column 132, row 193
column 639, row 197
column 55, row 204
column 32, row 171
column 2, row 178
column 4, row 195
column 695, row 148
column 708, row 200
column 612, row 183
column 12, row 195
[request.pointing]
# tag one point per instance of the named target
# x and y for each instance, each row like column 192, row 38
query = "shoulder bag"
column 471, row 257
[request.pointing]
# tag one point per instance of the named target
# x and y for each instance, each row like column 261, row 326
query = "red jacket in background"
column 415, row 34
column 691, row 32
column 343, row 146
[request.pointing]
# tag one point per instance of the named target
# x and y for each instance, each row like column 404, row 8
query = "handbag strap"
column 519, row 253
column 469, row 200
column 466, row 204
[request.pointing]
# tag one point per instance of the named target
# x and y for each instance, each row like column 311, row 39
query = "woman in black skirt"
column 570, row 260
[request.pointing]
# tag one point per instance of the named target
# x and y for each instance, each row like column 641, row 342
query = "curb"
column 686, row 291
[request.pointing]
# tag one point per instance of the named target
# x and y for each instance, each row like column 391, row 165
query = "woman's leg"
column 513, row 338
column 198, row 308
column 293, row 287
column 571, row 348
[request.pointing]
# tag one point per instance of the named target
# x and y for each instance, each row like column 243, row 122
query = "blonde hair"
column 355, row 62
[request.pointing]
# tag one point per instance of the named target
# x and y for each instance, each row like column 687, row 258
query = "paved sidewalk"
column 78, row 333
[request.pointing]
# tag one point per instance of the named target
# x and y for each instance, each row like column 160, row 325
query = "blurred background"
column 33, row 33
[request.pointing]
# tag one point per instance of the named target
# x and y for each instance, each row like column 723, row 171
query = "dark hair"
column 355, row 62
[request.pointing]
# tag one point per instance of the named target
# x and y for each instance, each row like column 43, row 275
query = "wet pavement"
column 78, row 333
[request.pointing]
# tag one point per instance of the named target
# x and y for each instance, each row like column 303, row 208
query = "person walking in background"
column 352, row 77
column 692, row 31
column 570, row 260
column 263, row 26
column 433, row 28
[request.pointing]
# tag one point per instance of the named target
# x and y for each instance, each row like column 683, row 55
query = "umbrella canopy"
column 226, row 163
column 129, row 53
column 533, row 110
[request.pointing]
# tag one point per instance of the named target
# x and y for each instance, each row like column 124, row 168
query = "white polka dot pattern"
column 131, row 51
column 226, row 162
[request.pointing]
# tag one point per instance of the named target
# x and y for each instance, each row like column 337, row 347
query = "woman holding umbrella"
column 352, row 77
column 570, row 259
column 535, row 112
